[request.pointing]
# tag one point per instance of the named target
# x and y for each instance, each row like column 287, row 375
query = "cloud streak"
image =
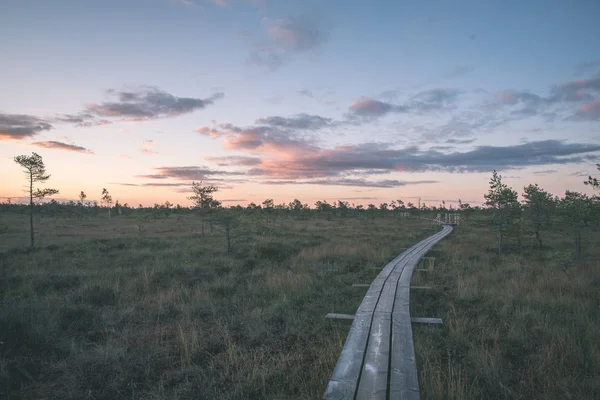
column 388, row 183
column 190, row 173
column 360, row 159
column 147, row 103
column 21, row 126
column 62, row 146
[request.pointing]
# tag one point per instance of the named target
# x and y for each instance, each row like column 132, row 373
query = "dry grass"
column 523, row 327
column 104, row 311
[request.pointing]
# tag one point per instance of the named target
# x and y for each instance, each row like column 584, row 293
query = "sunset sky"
column 364, row 101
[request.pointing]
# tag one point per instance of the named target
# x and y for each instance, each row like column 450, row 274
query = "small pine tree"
column 36, row 172
column 203, row 200
column 593, row 182
column 503, row 201
column 107, row 199
column 539, row 206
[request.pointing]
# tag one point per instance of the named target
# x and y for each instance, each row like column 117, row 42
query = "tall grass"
column 522, row 327
column 105, row 311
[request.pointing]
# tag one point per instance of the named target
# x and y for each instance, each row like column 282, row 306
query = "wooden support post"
column 420, row 320
column 340, row 316
column 430, row 262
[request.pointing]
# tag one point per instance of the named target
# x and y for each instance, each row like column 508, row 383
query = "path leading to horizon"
column 378, row 357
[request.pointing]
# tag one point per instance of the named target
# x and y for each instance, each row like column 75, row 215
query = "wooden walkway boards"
column 378, row 358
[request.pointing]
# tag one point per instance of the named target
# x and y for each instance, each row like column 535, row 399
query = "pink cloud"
column 589, row 110
column 206, row 131
column 507, row 96
column 367, row 107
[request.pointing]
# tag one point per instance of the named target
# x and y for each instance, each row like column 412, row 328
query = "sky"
column 361, row 101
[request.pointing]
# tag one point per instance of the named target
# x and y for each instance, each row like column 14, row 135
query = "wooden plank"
column 344, row 379
column 403, row 376
column 339, row 316
column 374, row 377
column 422, row 320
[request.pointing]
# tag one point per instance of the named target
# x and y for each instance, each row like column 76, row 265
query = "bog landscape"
column 285, row 199
column 229, row 302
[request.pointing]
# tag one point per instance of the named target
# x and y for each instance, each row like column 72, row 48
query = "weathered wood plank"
column 339, row 316
column 423, row 320
column 344, row 379
column 374, row 377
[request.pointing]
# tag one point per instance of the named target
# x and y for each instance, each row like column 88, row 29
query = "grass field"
column 524, row 327
column 150, row 309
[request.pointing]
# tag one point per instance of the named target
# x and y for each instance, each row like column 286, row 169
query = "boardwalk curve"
column 378, row 357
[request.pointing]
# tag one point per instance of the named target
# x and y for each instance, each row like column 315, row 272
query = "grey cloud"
column 151, row 184
column 435, row 99
column 306, row 93
column 149, row 102
column 187, row 173
column 370, row 108
column 583, row 94
column 583, row 174
column 62, row 146
column 244, row 161
column 428, row 100
column 520, row 103
column 299, row 121
column 21, row 126
column 577, row 90
column 388, row 183
column 332, row 163
column 460, row 141
column 546, row 172
column 83, row 119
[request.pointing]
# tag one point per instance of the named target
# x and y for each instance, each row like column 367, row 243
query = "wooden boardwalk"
column 378, row 358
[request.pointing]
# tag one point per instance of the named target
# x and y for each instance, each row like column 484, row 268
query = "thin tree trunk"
column 578, row 244
column 538, row 238
column 500, row 244
column 228, row 236
column 31, row 209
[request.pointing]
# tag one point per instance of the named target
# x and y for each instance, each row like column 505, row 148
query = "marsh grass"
column 104, row 310
column 523, row 327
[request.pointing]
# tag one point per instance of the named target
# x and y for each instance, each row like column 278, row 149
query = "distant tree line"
column 513, row 220
column 540, row 212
